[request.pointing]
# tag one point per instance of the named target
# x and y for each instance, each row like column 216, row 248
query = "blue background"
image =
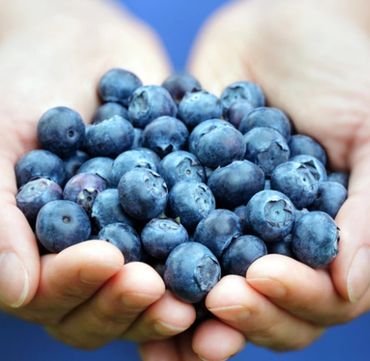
column 177, row 22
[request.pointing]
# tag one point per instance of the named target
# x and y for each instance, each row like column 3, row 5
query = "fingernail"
column 268, row 286
column 237, row 313
column 358, row 281
column 14, row 280
column 164, row 328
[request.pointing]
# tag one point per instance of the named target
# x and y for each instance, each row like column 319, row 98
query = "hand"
column 53, row 53
column 314, row 65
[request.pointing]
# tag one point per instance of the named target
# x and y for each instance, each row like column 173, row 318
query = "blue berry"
column 303, row 144
column 202, row 129
column 143, row 193
column 297, row 182
column 136, row 158
column 266, row 117
column 266, row 147
column 315, row 239
column 39, row 164
column 179, row 84
column 161, row 236
column 217, row 230
column 271, row 215
column 165, row 135
column 34, row 195
column 242, row 90
column 109, row 110
column 241, row 253
column 339, row 177
column 110, row 137
column 191, row 202
column 283, row 247
column 313, row 164
column 330, row 197
column 61, row 224
column 180, row 166
column 237, row 111
column 221, row 145
column 101, row 166
column 235, row 184
column 107, row 209
column 138, row 138
column 241, row 212
column 198, row 107
column 125, row 238
column 148, row 103
column 73, row 163
column 61, row 131
column 83, row 189
column 191, row 271
column 117, row 85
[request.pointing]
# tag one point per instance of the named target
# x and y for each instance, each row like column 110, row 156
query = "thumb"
column 351, row 268
column 19, row 257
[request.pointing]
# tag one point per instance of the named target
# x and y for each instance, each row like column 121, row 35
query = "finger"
column 213, row 340
column 351, row 269
column 113, row 308
column 263, row 323
column 70, row 278
column 166, row 318
column 164, row 350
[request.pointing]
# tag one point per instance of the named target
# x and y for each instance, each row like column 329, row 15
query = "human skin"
column 312, row 59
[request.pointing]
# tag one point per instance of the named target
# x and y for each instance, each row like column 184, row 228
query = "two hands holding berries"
column 315, row 70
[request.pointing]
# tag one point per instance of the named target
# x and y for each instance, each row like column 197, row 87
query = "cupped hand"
column 312, row 60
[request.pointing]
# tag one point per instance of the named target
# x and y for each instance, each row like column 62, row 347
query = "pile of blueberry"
column 196, row 186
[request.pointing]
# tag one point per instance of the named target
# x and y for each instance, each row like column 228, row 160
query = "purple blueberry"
column 125, row 238
column 109, row 110
column 101, row 166
column 191, row 271
column 73, row 163
column 39, row 164
column 179, row 84
column 303, row 144
column 61, row 224
column 237, row 111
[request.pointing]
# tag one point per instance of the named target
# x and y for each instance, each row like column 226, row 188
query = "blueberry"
column 34, row 195
column 61, row 131
column 266, row 147
column 161, row 236
column 339, row 177
column 165, row 135
column 217, row 230
column 313, row 164
column 242, row 90
column 315, row 239
column 136, row 158
column 220, row 145
column 267, row 117
column 191, row 271
column 271, row 215
column 297, row 182
column 61, row 224
column 151, row 155
column 148, row 103
column 138, row 138
column 73, row 163
column 101, row 166
column 159, row 267
column 143, row 193
column 180, row 166
column 39, row 164
column 107, row 209
column 198, row 107
column 283, row 247
column 83, row 189
column 303, row 144
column 241, row 253
column 237, row 111
column 202, row 129
column 179, row 84
column 241, row 212
column 235, row 184
column 191, row 202
column 125, row 238
column 330, row 198
column 109, row 110
column 117, row 85
column 110, row 137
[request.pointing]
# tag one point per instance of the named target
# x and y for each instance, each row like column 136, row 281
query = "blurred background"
column 177, row 22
